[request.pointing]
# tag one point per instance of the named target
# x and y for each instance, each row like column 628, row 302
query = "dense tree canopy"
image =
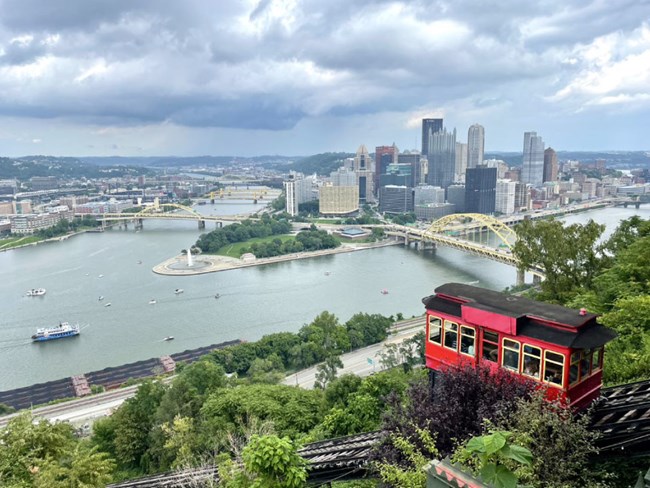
column 248, row 229
column 566, row 254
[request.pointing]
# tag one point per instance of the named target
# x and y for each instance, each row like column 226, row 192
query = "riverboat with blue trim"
column 61, row 331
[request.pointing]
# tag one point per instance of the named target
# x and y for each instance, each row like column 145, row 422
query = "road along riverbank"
column 211, row 263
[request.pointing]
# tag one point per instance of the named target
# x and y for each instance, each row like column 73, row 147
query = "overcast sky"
column 297, row 77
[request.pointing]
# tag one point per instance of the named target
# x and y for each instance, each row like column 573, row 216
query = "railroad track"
column 333, row 459
column 622, row 417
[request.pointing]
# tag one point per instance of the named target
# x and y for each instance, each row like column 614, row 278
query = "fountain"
column 190, row 263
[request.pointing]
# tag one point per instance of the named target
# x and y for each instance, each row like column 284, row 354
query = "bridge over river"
column 453, row 231
column 168, row 211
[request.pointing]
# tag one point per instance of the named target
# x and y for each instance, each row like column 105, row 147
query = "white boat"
column 101, row 297
column 384, row 291
column 178, row 291
column 61, row 331
column 168, row 338
column 108, row 304
column 152, row 301
column 36, row 292
column 100, row 276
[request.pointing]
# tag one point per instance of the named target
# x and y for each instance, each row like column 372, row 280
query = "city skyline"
column 301, row 77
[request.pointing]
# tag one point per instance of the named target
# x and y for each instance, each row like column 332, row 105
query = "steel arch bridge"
column 448, row 230
column 156, row 211
column 469, row 221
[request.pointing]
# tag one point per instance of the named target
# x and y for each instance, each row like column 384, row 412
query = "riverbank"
column 210, row 263
column 43, row 241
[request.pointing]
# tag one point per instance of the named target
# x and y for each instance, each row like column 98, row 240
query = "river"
column 253, row 301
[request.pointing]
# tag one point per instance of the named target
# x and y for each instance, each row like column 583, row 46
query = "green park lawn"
column 236, row 250
column 11, row 242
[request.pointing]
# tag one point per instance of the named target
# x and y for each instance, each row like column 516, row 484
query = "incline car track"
column 327, row 461
column 622, row 416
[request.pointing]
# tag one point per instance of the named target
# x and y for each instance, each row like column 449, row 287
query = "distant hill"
column 322, row 164
column 26, row 167
column 615, row 159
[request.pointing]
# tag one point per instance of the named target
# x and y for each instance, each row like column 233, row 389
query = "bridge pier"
column 218, row 225
column 139, row 224
column 201, row 224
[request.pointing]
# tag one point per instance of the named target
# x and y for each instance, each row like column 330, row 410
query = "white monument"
column 189, row 258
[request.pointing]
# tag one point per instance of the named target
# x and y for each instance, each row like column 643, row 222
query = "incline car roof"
column 586, row 332
column 514, row 306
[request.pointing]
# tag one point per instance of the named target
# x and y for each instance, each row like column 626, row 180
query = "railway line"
column 621, row 416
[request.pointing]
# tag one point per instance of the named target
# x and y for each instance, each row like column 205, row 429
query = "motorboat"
column 384, row 291
column 178, row 291
column 217, row 296
column 168, row 338
column 36, row 292
column 108, row 304
column 100, row 276
column 152, row 301
column 101, row 297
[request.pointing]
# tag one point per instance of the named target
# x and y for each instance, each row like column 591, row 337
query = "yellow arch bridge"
column 461, row 231
column 168, row 211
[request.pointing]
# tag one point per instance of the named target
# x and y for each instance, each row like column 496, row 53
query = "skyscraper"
column 429, row 126
column 384, row 156
column 480, row 190
column 550, row 165
column 364, row 168
column 461, row 161
column 532, row 169
column 475, row 145
column 442, row 158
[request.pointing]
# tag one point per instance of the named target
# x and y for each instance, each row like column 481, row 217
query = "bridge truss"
column 450, row 230
column 169, row 211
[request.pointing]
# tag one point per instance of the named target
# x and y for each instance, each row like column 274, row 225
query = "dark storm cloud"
column 267, row 64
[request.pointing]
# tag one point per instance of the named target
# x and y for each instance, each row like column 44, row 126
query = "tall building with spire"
column 532, row 169
column 364, row 168
column 429, row 126
column 475, row 145
column 442, row 158
column 550, row 165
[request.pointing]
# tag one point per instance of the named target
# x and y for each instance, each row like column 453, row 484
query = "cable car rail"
column 622, row 417
column 329, row 460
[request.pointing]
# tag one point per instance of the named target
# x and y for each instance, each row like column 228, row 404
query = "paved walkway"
column 211, row 263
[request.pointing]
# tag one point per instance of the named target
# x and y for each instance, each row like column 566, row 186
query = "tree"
column 82, row 468
column 339, row 390
column 561, row 444
column 455, row 409
column 134, row 421
column 292, row 410
column 26, row 445
column 364, row 329
column 40, row 454
column 413, row 476
column 269, row 462
column 326, row 371
column 567, row 255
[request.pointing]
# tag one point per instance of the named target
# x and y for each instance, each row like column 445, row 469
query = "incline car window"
column 511, row 354
column 490, row 346
column 435, row 325
column 451, row 335
column 467, row 340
